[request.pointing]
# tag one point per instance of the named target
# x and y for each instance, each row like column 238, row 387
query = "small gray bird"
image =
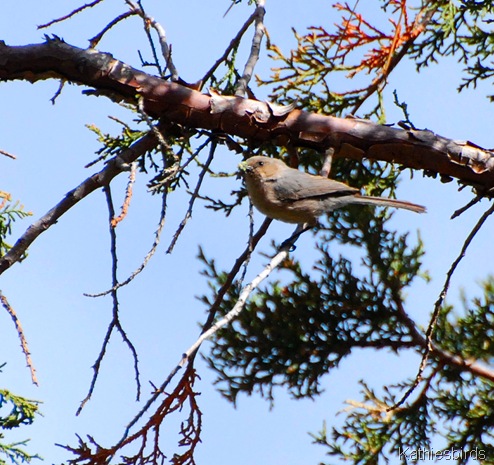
column 289, row 195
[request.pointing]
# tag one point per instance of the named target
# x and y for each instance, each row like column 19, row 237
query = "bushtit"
column 289, row 195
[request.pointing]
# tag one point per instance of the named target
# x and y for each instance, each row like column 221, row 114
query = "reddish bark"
column 252, row 119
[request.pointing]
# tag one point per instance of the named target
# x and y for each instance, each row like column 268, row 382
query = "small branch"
column 239, row 306
column 114, row 275
column 115, row 322
column 128, row 196
column 328, row 161
column 165, row 48
column 57, row 94
column 233, row 44
column 438, row 305
column 242, row 84
column 93, row 42
column 113, row 168
column 234, row 271
column 211, row 315
column 96, row 367
column 7, row 154
column 157, row 238
column 250, row 246
column 155, row 129
column 22, row 337
column 72, row 13
column 426, row 342
column 463, row 209
column 193, row 197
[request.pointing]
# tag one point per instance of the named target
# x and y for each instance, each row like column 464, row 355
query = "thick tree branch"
column 258, row 121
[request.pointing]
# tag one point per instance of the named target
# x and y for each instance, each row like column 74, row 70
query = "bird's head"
column 260, row 167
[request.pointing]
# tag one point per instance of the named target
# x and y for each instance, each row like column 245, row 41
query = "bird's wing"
column 302, row 186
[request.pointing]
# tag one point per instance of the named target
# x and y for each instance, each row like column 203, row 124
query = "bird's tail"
column 384, row 202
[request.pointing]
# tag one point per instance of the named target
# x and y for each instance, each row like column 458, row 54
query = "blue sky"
column 160, row 309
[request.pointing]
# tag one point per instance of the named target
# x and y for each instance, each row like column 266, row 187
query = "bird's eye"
column 261, row 163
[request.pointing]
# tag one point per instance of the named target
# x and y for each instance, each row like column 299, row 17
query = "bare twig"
column 165, row 48
column 22, row 337
column 250, row 247
column 233, row 44
column 72, row 13
column 157, row 238
column 193, row 196
column 58, row 92
column 128, row 196
column 243, row 82
column 7, row 154
column 427, row 342
column 449, row 275
column 463, row 209
column 239, row 306
column 94, row 41
column 156, row 131
column 114, row 167
column 115, row 323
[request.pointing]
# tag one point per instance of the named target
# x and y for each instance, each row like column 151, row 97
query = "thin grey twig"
column 165, row 48
column 93, row 42
column 58, row 92
column 239, row 306
column 72, row 13
column 250, row 247
column 233, row 44
column 429, row 348
column 115, row 323
column 152, row 250
column 243, row 82
column 156, row 131
column 193, row 196
column 463, row 209
column 211, row 316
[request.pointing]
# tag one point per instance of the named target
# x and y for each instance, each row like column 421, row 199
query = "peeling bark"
column 247, row 118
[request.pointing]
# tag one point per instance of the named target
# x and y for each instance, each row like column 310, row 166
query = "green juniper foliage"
column 9, row 213
column 15, row 411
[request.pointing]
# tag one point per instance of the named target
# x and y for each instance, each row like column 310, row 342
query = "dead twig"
column 128, row 196
column 193, row 196
column 149, row 21
column 152, row 250
column 22, row 337
column 115, row 323
column 233, row 44
column 243, row 82
column 113, row 168
column 94, row 41
column 427, row 341
column 72, row 13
